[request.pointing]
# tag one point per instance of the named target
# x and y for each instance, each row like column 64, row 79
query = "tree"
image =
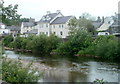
column 81, row 24
column 72, row 25
column 9, row 14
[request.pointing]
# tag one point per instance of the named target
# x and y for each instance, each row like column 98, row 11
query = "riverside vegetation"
column 80, row 44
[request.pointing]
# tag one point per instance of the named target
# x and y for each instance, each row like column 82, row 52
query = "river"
column 72, row 69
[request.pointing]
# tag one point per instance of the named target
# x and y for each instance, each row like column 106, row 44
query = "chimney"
column 31, row 20
column 103, row 19
column 98, row 19
column 58, row 11
column 48, row 12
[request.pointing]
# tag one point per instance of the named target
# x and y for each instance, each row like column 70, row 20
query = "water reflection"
column 72, row 70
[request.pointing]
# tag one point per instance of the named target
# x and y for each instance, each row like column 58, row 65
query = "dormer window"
column 109, row 22
column 43, row 18
column 48, row 18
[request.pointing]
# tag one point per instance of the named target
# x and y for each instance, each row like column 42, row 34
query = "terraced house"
column 51, row 23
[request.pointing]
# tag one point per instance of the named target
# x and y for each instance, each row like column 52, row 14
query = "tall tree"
column 80, row 24
column 9, row 14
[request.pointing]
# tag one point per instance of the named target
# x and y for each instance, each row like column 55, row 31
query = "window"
column 54, row 33
column 3, row 32
column 53, row 26
column 59, row 26
column 61, row 33
column 46, row 25
column 62, row 26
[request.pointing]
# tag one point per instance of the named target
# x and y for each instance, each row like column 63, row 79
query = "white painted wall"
column 5, row 31
column 58, row 29
column 25, row 29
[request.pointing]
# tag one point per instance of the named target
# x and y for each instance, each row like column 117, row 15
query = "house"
column 3, row 30
column 108, row 21
column 14, row 30
column 32, row 32
column 98, row 22
column 28, row 26
column 115, row 27
column 54, row 23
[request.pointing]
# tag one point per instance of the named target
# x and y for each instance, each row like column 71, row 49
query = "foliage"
column 81, row 24
column 9, row 14
column 75, row 43
column 18, row 73
column 52, row 43
column 106, row 47
column 18, row 43
column 99, row 81
column 7, row 40
column 42, row 43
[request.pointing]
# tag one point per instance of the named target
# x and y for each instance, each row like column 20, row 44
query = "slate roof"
column 97, row 24
column 61, row 20
column 28, row 24
column 13, row 28
column 116, row 23
column 51, row 16
column 34, row 31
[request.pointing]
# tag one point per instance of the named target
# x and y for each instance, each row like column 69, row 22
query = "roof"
column 97, row 24
column 13, row 28
column 50, row 16
column 61, row 20
column 103, row 27
column 28, row 24
column 115, row 24
column 34, row 31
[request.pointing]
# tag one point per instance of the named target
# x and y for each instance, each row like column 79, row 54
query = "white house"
column 3, row 30
column 54, row 23
column 28, row 26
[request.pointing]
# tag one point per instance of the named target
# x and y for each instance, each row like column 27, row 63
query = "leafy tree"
column 7, row 40
column 81, row 24
column 75, row 43
column 52, row 43
column 9, row 14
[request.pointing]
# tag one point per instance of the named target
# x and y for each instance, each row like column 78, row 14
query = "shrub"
column 76, row 42
column 105, row 47
column 7, row 40
column 13, row 71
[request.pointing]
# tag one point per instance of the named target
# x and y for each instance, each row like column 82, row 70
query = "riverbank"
column 35, row 65
column 18, row 50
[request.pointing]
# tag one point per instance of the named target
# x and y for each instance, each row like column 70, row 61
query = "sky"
column 37, row 8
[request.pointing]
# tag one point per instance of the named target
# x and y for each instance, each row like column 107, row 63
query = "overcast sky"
column 37, row 8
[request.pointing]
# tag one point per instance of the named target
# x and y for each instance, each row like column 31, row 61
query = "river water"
column 67, row 69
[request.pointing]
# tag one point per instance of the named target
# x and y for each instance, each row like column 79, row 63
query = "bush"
column 105, row 47
column 7, row 40
column 75, row 43
column 44, row 44
column 13, row 71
